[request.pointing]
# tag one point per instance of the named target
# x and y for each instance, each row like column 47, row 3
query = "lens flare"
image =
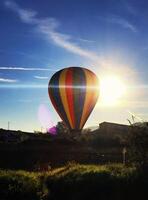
column 44, row 117
column 52, row 130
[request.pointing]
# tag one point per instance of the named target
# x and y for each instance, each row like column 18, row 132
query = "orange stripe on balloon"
column 90, row 98
column 70, row 98
column 62, row 82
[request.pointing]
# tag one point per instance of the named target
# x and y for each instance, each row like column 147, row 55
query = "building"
column 109, row 128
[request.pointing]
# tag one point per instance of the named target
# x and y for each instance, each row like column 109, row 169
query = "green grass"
column 75, row 182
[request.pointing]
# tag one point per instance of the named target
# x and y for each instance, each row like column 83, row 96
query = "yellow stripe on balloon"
column 88, row 98
column 62, row 91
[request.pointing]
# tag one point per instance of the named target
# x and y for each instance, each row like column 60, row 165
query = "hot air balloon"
column 74, row 92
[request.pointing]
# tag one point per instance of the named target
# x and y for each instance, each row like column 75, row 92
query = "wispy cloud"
column 24, row 86
column 122, row 22
column 6, row 80
column 129, row 7
column 26, row 69
column 48, row 27
column 27, row 16
column 86, row 40
column 41, row 77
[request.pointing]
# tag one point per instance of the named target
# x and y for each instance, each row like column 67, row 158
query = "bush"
column 111, row 182
column 75, row 182
column 138, row 145
column 19, row 185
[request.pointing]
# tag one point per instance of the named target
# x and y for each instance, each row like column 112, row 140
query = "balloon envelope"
column 74, row 92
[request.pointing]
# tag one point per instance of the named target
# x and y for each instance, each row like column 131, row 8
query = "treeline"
column 27, row 150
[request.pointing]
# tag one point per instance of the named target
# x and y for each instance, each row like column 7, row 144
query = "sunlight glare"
column 112, row 90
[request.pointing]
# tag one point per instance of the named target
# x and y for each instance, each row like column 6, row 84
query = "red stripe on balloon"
column 69, row 93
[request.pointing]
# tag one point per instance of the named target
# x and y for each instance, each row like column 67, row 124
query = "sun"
column 112, row 89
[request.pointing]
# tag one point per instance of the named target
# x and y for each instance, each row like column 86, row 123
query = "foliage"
column 75, row 182
column 58, row 150
column 37, row 132
column 86, row 131
column 61, row 128
column 19, row 185
column 138, row 144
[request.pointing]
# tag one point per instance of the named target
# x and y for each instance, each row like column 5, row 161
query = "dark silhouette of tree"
column 62, row 129
column 138, row 144
column 86, row 131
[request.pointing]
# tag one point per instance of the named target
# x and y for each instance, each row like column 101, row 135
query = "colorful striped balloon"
column 74, row 92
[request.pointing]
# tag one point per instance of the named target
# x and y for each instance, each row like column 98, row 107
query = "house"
column 110, row 128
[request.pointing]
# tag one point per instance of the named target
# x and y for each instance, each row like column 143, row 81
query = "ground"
column 76, row 182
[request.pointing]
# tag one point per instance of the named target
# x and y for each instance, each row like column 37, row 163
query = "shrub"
column 19, row 185
column 76, row 182
column 138, row 145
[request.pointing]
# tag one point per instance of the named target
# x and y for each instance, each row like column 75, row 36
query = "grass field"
column 75, row 182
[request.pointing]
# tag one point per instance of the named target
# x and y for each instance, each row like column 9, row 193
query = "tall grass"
column 75, row 182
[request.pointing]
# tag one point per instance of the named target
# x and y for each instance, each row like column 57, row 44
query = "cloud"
column 5, row 80
column 41, row 77
column 61, row 41
column 26, row 69
column 27, row 16
column 122, row 22
column 86, row 40
column 24, row 86
column 129, row 7
column 48, row 28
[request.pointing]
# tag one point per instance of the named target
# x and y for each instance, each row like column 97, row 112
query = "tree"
column 138, row 144
column 86, row 131
column 62, row 128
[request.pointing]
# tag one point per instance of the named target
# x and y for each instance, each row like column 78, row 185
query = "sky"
column 37, row 38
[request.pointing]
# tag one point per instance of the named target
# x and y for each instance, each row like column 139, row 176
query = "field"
column 75, row 182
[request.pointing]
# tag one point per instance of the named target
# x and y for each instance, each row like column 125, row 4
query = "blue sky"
column 39, row 37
